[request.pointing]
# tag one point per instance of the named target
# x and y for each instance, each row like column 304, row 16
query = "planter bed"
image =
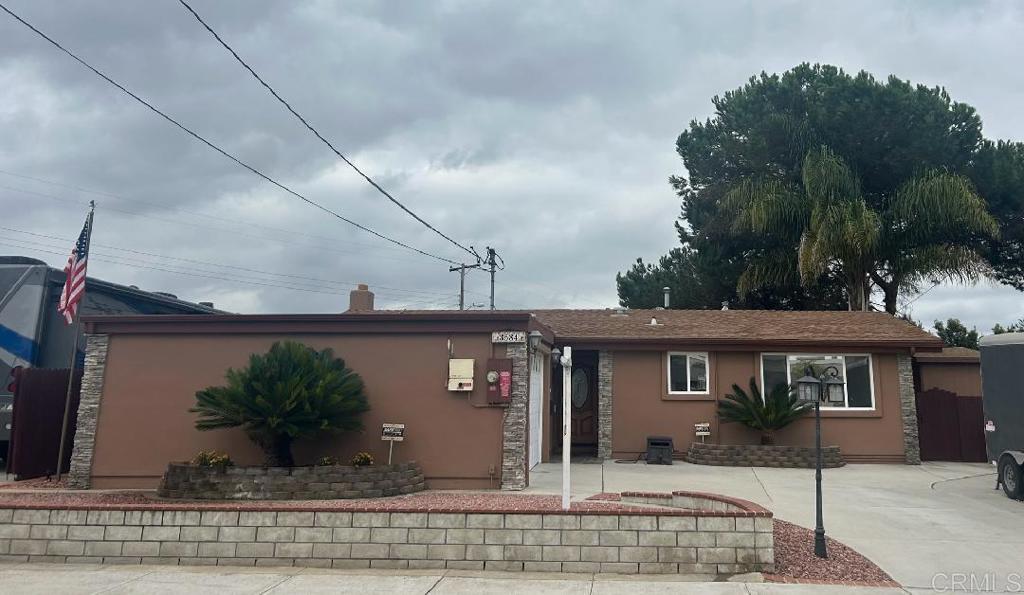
column 758, row 455
column 192, row 482
column 457, row 530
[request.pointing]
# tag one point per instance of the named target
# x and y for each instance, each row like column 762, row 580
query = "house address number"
column 508, row 337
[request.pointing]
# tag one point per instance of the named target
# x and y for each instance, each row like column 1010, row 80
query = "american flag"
column 74, row 284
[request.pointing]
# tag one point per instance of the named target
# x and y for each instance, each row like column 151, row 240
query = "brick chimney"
column 360, row 299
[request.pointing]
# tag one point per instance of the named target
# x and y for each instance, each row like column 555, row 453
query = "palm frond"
column 937, row 206
column 288, row 393
column 767, row 206
column 779, row 409
column 827, row 179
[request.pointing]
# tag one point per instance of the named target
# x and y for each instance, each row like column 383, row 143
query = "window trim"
column 707, row 372
column 846, row 394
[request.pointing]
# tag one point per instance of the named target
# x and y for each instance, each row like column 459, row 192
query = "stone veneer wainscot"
column 908, row 410
column 514, row 422
column 80, row 472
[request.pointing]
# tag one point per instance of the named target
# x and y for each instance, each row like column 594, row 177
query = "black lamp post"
column 811, row 388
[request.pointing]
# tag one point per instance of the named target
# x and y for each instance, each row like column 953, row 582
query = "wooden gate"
column 35, row 428
column 950, row 426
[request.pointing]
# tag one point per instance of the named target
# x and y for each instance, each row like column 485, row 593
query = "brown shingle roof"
column 737, row 327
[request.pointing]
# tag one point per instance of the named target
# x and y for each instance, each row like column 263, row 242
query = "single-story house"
column 636, row 373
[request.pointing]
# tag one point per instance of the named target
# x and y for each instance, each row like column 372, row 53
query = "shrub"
column 362, row 459
column 290, row 392
column 780, row 409
column 212, row 458
column 327, row 461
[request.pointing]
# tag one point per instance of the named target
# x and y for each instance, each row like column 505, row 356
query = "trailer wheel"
column 1011, row 477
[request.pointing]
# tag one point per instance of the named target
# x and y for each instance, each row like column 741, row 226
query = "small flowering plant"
column 212, row 458
column 327, row 461
column 362, row 459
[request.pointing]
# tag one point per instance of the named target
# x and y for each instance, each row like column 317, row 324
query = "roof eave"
column 922, row 344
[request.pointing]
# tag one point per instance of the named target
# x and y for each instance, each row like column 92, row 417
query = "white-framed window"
column 854, row 369
column 687, row 373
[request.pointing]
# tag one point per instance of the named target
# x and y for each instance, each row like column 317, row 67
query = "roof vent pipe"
column 666, row 290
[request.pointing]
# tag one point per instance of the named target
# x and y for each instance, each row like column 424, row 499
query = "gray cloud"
column 544, row 129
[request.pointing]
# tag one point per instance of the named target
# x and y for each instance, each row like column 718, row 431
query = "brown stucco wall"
column 151, row 380
column 961, row 378
column 643, row 407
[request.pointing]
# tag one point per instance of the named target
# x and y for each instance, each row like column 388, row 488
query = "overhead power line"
column 214, row 228
column 216, row 148
column 202, row 226
column 304, row 280
column 320, row 136
column 165, row 207
column 217, row 276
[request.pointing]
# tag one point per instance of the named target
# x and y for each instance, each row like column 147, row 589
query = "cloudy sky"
column 544, row 129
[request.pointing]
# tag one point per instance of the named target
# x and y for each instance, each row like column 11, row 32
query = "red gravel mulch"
column 434, row 501
column 795, row 561
column 39, row 483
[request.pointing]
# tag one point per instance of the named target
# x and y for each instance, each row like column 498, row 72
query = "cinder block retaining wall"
column 704, row 543
column 326, row 482
column 756, row 455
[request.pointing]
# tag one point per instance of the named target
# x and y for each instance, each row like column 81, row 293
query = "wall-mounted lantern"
column 535, row 337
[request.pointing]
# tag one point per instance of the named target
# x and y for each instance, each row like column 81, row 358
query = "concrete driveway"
column 921, row 524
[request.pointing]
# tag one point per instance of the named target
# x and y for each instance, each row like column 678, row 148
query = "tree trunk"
column 857, row 290
column 891, row 291
column 767, row 437
column 891, row 294
column 277, row 451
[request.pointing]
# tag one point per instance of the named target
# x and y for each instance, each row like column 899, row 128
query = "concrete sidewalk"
column 921, row 524
column 18, row 579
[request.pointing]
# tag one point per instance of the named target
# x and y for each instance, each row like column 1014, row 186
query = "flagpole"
column 74, row 357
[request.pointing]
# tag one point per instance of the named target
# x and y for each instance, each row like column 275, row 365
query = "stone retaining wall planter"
column 757, row 455
column 392, row 534
column 327, row 482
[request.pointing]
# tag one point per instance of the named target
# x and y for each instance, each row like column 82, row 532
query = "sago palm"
column 290, row 392
column 929, row 229
column 765, row 414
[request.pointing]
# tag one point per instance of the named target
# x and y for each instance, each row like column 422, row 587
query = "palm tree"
column 928, row 230
column 781, row 408
column 291, row 392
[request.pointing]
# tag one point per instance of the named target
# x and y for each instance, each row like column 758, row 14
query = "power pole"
column 492, row 263
column 462, row 282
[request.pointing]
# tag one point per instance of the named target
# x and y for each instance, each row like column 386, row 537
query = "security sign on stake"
column 393, row 432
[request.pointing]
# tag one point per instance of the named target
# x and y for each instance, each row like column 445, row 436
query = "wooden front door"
column 584, row 405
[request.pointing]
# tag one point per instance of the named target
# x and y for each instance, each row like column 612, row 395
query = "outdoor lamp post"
column 816, row 389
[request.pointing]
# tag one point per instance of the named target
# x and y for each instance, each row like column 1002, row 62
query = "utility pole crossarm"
column 462, row 268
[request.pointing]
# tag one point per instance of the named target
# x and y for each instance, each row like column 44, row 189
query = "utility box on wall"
column 460, row 375
column 499, row 381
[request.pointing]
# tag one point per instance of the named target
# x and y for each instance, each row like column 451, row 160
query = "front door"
column 584, row 405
